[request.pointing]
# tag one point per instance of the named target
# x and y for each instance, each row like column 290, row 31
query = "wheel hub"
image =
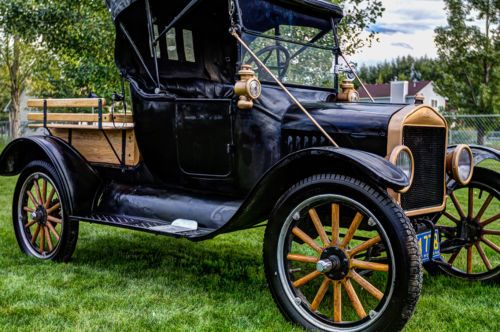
column 40, row 215
column 472, row 231
column 334, row 263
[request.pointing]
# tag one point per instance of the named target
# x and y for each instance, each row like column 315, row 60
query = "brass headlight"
column 460, row 164
column 402, row 158
column 248, row 88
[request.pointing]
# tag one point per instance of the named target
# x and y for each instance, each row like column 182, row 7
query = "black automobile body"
column 226, row 161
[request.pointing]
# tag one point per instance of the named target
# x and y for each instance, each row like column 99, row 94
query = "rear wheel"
column 39, row 215
column 470, row 229
column 341, row 256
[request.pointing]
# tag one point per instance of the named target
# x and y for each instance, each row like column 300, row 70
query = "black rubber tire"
column 69, row 235
column 408, row 281
column 491, row 179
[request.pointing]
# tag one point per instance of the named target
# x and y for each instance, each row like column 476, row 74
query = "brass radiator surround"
column 416, row 116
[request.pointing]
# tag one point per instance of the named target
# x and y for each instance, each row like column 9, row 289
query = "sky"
column 406, row 28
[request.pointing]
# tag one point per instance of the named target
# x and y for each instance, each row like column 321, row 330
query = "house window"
column 434, row 103
column 188, row 45
column 172, row 53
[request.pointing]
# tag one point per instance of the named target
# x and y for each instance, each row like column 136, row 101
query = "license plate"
column 424, row 240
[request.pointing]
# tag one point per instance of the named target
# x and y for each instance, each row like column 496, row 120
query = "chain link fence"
column 474, row 129
column 4, row 132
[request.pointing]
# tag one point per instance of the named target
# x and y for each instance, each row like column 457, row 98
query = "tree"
column 469, row 54
column 17, row 60
column 402, row 68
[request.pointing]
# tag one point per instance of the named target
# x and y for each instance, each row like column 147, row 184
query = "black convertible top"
column 118, row 6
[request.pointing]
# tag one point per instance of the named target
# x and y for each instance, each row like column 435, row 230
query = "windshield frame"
column 334, row 18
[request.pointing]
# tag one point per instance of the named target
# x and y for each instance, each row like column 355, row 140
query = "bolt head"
column 324, row 266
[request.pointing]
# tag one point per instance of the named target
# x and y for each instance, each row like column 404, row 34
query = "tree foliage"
column 406, row 68
column 469, row 54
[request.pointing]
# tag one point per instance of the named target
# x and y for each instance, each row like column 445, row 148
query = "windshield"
column 297, row 47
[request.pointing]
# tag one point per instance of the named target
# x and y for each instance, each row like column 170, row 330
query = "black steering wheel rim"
column 282, row 67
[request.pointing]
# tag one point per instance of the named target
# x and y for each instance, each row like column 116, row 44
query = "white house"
column 404, row 92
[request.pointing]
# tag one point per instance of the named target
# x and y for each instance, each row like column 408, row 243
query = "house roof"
column 384, row 90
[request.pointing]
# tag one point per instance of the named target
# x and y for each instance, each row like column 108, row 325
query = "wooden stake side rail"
column 81, row 117
column 100, row 138
column 66, row 103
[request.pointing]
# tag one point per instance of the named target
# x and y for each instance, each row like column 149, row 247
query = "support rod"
column 282, row 86
column 176, row 19
column 357, row 77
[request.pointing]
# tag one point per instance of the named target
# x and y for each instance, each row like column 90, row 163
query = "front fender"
column 79, row 180
column 362, row 165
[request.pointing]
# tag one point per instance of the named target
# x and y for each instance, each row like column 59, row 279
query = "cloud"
column 405, row 28
column 403, row 45
column 419, row 14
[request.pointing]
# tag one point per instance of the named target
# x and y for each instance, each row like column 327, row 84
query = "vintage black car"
column 244, row 114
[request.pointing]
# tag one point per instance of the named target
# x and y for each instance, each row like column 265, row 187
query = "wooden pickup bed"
column 104, row 144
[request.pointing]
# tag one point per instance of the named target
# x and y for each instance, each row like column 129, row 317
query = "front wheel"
column 341, row 256
column 39, row 212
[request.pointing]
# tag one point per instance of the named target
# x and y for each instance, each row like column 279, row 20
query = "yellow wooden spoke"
column 307, row 239
column 352, row 229
column 35, row 235
column 457, row 205
column 454, row 256
column 337, row 301
column 27, row 209
column 44, row 190
column 48, row 239
column 364, row 246
column 369, row 265
column 367, row 286
column 491, row 244
column 50, row 197
column 491, row 232
column 335, row 224
column 483, row 256
column 319, row 227
column 53, row 230
column 31, row 223
column 490, row 220
column 321, row 294
column 484, row 207
column 55, row 207
column 304, row 280
column 302, row 258
column 356, row 303
column 42, row 240
column 55, row 220
column 452, row 218
column 469, row 260
column 32, row 198
column 38, row 192
column 470, row 211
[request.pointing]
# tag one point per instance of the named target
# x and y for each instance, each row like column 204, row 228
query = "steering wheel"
column 282, row 54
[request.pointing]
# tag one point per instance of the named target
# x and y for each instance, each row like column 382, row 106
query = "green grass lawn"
column 122, row 280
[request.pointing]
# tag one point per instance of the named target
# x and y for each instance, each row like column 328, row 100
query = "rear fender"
column 79, row 180
column 364, row 166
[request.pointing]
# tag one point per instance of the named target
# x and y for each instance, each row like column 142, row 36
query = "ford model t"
column 244, row 114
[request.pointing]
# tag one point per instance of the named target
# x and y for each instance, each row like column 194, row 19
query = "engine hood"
column 355, row 125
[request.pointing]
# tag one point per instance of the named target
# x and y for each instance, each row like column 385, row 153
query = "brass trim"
column 452, row 163
column 393, row 159
column 415, row 116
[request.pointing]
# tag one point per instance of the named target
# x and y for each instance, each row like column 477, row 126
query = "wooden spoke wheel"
column 331, row 264
column 470, row 228
column 39, row 215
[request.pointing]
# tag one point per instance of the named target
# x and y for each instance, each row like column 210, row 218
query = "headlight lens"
column 462, row 164
column 402, row 157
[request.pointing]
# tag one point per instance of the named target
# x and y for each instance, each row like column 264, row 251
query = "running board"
column 145, row 225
